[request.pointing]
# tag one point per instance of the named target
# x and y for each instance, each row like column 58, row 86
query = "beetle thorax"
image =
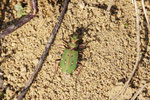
column 74, row 40
column 72, row 45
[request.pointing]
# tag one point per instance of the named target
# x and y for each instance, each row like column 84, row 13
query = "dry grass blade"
column 110, row 4
column 44, row 55
column 138, row 92
column 138, row 53
column 146, row 17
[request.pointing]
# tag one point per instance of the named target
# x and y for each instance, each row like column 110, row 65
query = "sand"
column 109, row 56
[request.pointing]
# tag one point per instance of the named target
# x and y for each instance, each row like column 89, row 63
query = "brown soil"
column 110, row 53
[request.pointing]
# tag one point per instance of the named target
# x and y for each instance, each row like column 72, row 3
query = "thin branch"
column 146, row 17
column 138, row 53
column 110, row 4
column 21, row 22
column 44, row 55
column 138, row 92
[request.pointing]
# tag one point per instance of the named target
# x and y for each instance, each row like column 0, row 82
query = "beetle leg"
column 66, row 43
column 81, row 46
column 79, row 69
column 61, row 45
column 55, row 65
column 82, row 59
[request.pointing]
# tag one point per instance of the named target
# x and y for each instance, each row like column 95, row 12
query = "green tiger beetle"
column 70, row 56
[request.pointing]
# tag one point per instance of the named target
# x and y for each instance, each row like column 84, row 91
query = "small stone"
column 13, row 44
column 23, row 69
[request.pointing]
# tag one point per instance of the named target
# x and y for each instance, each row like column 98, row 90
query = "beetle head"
column 74, row 38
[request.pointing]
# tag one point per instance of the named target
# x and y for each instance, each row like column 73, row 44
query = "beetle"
column 69, row 58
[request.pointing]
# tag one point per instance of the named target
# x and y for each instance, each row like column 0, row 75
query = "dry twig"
column 138, row 92
column 146, row 17
column 138, row 53
column 44, row 55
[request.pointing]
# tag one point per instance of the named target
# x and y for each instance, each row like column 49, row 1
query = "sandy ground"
column 109, row 56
